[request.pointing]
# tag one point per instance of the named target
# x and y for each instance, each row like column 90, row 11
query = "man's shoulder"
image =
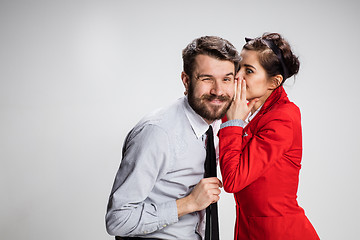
column 165, row 118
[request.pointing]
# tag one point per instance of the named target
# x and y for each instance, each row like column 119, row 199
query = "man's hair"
column 212, row 46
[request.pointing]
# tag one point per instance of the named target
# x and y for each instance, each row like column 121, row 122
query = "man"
column 160, row 191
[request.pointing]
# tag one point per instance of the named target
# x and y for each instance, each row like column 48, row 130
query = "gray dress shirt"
column 163, row 160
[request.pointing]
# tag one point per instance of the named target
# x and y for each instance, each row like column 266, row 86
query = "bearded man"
column 160, row 191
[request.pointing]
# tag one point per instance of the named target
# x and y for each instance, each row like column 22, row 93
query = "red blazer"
column 260, row 164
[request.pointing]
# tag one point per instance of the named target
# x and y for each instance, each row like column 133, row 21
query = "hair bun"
column 291, row 61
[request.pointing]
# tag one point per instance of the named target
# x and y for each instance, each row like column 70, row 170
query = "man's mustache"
column 215, row 97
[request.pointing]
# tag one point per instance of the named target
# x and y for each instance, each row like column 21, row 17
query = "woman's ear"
column 276, row 81
column 186, row 81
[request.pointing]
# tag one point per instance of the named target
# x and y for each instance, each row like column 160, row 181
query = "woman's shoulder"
column 284, row 110
column 287, row 106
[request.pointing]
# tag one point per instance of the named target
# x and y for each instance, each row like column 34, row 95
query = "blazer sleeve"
column 145, row 160
column 241, row 165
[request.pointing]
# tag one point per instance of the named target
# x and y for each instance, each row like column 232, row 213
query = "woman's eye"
column 227, row 79
column 249, row 71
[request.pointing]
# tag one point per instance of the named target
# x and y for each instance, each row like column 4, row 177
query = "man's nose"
column 217, row 88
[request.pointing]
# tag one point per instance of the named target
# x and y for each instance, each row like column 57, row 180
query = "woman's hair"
column 275, row 55
column 213, row 46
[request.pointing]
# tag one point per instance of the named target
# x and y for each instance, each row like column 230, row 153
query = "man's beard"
column 199, row 106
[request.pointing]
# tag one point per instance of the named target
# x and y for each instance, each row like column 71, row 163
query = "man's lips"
column 216, row 101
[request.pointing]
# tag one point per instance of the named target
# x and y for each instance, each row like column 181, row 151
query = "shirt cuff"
column 233, row 123
column 167, row 213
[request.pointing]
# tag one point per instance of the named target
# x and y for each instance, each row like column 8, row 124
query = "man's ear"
column 276, row 81
column 186, row 81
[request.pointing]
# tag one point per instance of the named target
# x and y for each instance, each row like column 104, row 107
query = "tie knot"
column 210, row 132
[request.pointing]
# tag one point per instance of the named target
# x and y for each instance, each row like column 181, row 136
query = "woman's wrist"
column 233, row 123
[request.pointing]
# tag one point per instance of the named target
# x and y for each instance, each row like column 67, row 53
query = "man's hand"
column 205, row 193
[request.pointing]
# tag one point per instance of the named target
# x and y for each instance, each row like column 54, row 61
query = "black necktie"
column 212, row 225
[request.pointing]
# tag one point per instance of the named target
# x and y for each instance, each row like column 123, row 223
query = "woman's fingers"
column 243, row 90
column 237, row 89
column 240, row 109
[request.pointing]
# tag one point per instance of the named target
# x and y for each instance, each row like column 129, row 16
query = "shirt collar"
column 198, row 124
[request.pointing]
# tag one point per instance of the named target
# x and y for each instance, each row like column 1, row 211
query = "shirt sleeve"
column 146, row 155
column 240, row 164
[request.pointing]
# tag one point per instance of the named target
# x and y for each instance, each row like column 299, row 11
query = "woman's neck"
column 261, row 101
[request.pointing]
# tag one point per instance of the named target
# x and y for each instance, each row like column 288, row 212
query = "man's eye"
column 227, row 79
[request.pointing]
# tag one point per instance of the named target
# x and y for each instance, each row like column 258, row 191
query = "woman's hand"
column 240, row 108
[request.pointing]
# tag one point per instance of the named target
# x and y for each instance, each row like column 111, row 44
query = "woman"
column 261, row 145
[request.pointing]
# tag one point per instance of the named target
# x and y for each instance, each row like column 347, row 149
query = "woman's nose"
column 240, row 75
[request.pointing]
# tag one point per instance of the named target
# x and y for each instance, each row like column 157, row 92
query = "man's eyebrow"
column 208, row 75
column 204, row 75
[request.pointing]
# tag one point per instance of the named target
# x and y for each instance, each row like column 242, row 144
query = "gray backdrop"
column 75, row 76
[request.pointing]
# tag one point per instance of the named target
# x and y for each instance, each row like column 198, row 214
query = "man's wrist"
column 185, row 205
